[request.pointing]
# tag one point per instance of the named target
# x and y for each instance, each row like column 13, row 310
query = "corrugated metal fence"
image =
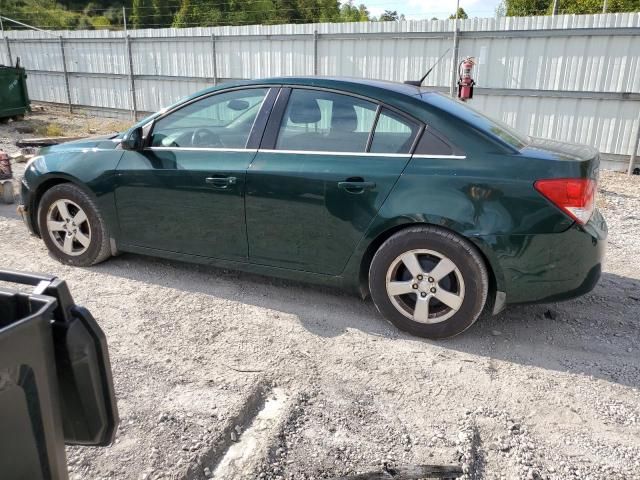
column 570, row 77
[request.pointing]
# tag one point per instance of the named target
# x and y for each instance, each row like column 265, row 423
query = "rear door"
column 326, row 164
column 184, row 192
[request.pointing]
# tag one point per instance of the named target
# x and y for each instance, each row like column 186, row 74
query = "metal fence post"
column 454, row 53
column 214, row 59
column 315, row 53
column 634, row 152
column 454, row 62
column 132, row 82
column 66, row 73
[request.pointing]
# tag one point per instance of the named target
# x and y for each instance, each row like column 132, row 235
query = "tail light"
column 574, row 196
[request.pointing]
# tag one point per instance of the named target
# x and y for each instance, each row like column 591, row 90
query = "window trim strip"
column 304, row 152
column 202, row 149
column 343, row 154
column 452, row 157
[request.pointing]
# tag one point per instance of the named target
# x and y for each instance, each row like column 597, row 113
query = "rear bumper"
column 551, row 267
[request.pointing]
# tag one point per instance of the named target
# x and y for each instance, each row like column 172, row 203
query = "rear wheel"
column 428, row 282
column 71, row 226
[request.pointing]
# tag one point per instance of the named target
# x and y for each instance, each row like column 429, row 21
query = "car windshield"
column 478, row 120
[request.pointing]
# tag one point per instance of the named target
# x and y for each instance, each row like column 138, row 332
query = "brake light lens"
column 574, row 196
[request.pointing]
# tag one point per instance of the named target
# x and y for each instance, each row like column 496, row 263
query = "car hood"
column 103, row 142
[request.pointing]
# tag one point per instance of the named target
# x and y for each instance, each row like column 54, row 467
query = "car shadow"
column 594, row 335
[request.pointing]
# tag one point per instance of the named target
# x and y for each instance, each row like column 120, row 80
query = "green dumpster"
column 14, row 98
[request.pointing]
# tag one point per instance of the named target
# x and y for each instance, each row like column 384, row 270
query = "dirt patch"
column 544, row 391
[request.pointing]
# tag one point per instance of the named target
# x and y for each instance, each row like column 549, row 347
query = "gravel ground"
column 544, row 391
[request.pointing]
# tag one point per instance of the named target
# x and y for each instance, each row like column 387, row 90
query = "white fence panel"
column 46, row 87
column 153, row 92
column 105, row 92
column 96, row 56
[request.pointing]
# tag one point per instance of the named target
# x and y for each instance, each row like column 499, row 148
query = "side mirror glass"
column 132, row 140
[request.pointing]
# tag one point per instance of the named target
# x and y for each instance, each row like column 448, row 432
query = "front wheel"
column 428, row 282
column 72, row 227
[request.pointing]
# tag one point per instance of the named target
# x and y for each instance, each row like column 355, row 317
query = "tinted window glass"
column 432, row 144
column 393, row 134
column 478, row 120
column 223, row 121
column 324, row 121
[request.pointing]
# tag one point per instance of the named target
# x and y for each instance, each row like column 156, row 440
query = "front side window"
column 223, row 120
column 393, row 134
column 324, row 121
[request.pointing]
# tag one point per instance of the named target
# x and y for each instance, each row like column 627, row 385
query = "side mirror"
column 132, row 140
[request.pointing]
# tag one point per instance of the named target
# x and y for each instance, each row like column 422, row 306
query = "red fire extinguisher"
column 465, row 82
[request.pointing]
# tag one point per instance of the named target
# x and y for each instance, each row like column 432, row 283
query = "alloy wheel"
column 425, row 286
column 69, row 227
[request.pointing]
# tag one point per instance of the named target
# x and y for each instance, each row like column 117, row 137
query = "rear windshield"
column 478, row 120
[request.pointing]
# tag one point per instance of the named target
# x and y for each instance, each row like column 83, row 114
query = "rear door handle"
column 221, row 182
column 356, row 186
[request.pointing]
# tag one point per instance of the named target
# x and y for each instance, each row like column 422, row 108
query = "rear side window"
column 491, row 127
column 393, row 133
column 325, row 121
column 432, row 143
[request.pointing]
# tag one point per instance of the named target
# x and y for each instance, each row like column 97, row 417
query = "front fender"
column 92, row 171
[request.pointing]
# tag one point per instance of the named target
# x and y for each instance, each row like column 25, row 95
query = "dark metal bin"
column 55, row 379
column 14, row 97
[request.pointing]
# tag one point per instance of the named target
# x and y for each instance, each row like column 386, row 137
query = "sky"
column 426, row 9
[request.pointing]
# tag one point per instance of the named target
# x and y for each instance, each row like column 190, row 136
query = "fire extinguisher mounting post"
column 454, row 55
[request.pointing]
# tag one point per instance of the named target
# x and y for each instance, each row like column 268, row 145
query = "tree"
column 162, row 16
column 522, row 8
column 194, row 14
column 595, row 6
column 525, row 8
column 350, row 13
column 461, row 14
column 142, row 14
column 72, row 14
column 389, row 16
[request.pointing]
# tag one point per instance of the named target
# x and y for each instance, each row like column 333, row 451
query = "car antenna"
column 418, row 83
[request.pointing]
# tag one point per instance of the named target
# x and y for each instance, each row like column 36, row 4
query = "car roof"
column 347, row 83
column 350, row 84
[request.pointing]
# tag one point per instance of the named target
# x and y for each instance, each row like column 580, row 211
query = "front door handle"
column 356, row 186
column 221, row 182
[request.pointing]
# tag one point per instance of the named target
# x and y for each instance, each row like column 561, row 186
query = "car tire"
column 429, row 282
column 72, row 227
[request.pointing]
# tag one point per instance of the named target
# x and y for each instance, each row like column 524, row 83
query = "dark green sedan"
column 386, row 189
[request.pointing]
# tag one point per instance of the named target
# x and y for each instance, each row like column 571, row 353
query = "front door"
column 185, row 192
column 312, row 192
